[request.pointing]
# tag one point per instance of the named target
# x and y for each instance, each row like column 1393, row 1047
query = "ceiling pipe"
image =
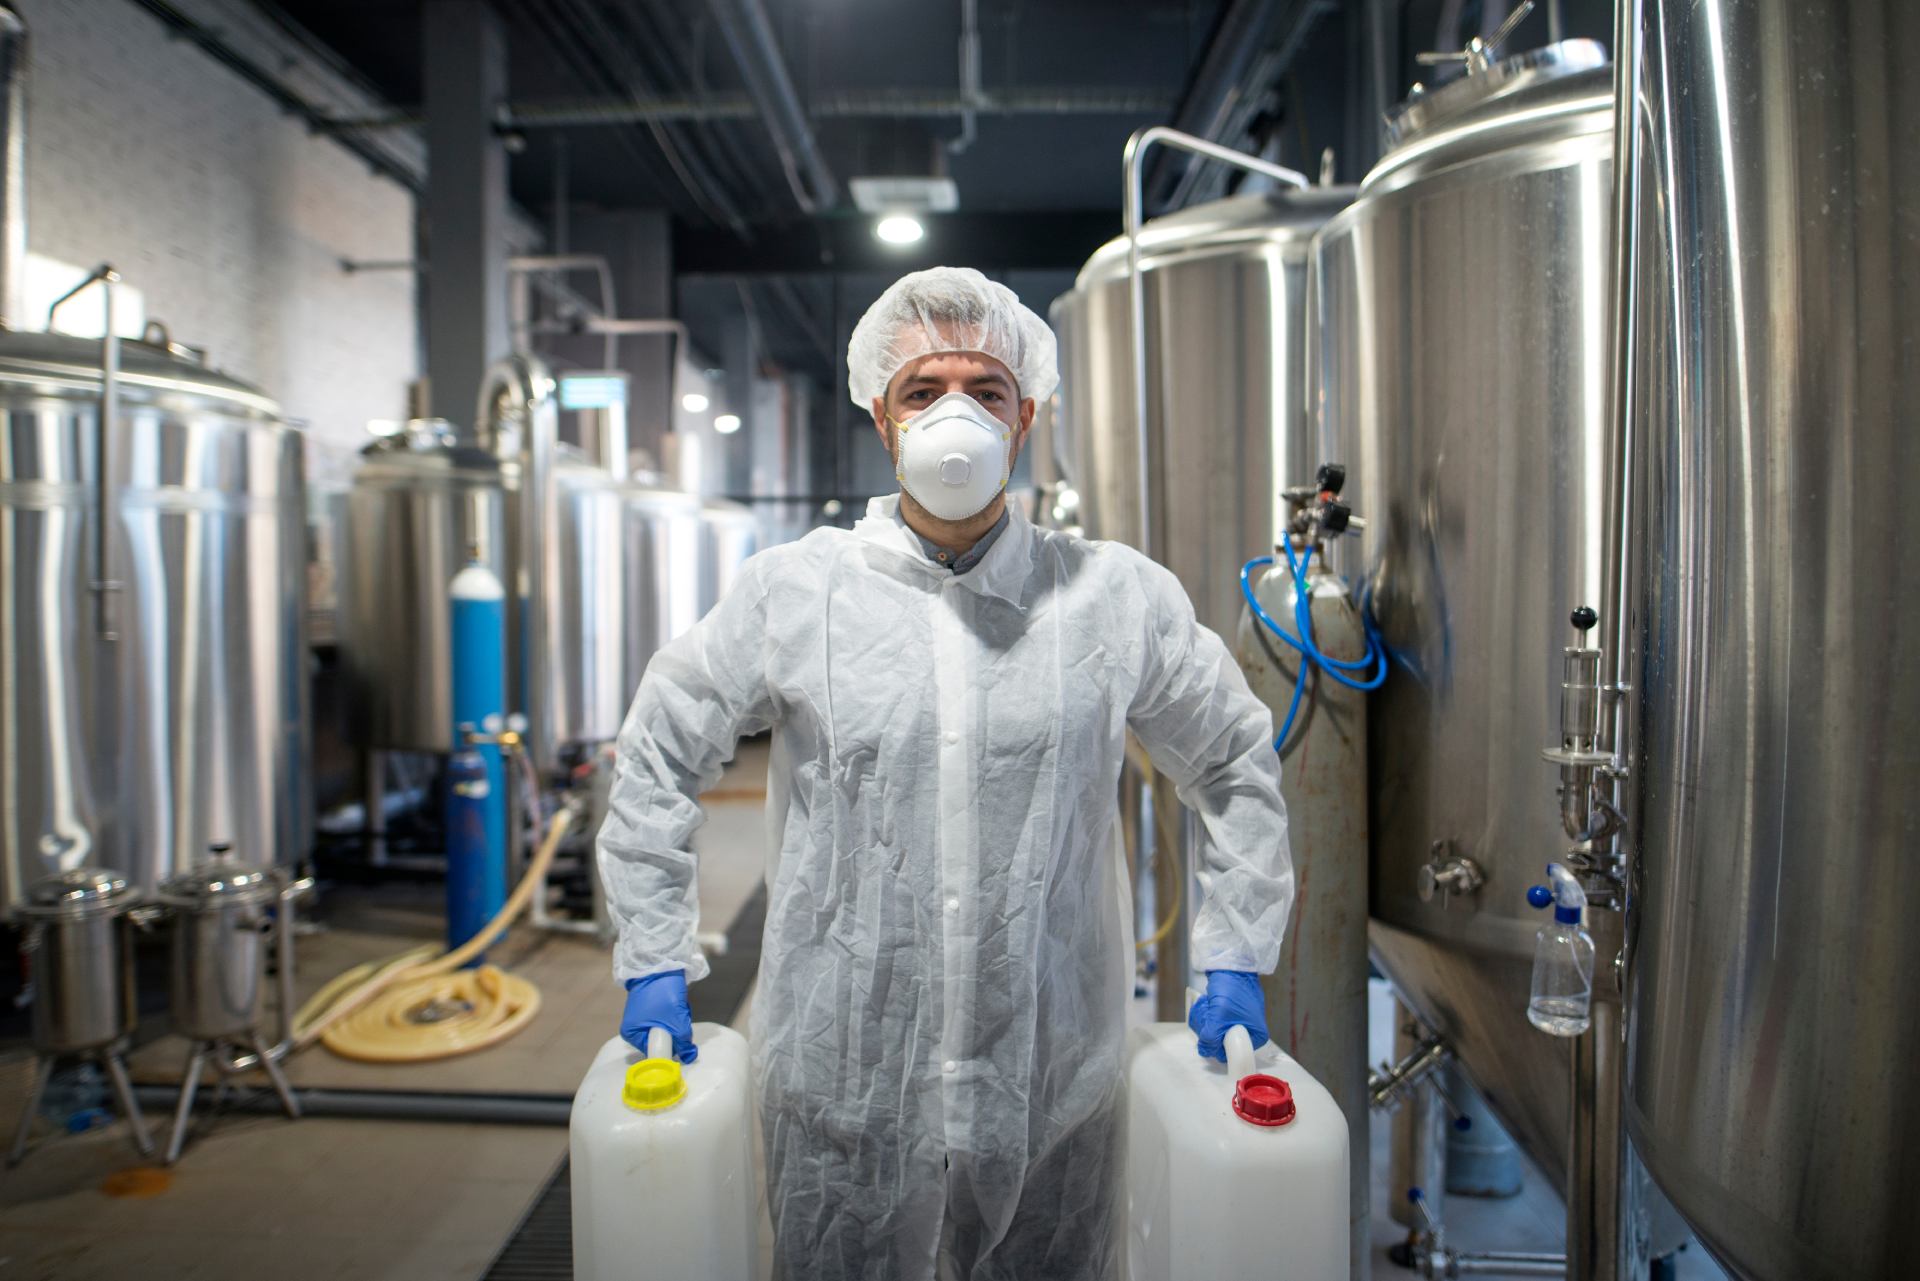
column 884, row 104
column 749, row 35
column 969, row 75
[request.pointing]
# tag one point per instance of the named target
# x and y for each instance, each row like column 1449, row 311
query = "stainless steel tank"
column 1225, row 288
column 729, row 535
column 587, row 608
column 662, row 550
column 421, row 502
column 1774, row 981
column 1461, row 374
column 1225, row 295
column 192, row 726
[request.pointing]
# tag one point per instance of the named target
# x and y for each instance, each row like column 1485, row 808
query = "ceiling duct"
column 749, row 35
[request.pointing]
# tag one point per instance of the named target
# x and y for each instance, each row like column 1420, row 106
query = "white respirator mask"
column 954, row 456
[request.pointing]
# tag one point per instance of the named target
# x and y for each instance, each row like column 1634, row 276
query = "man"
column 948, row 951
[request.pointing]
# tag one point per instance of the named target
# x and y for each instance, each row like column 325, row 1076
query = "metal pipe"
column 883, row 104
column 1504, row 1265
column 394, row 1105
column 1390, row 1087
column 104, row 583
column 1620, row 461
column 13, row 168
column 1597, row 1235
column 521, row 387
column 1132, row 162
column 749, row 34
column 969, row 74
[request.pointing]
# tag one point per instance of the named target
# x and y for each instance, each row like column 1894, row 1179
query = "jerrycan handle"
column 659, row 1043
column 1238, row 1041
column 1239, row 1044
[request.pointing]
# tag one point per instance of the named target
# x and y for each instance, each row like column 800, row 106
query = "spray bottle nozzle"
column 1563, row 891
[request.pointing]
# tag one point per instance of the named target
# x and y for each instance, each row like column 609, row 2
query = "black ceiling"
column 607, row 50
column 1038, row 191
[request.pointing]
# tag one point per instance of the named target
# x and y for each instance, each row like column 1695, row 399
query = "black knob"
column 1584, row 618
column 1334, row 517
column 1332, row 478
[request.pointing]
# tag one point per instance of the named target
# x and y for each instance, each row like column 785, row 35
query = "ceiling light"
column 727, row 424
column 694, row 403
column 899, row 229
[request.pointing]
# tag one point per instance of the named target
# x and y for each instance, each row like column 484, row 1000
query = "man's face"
column 929, row 378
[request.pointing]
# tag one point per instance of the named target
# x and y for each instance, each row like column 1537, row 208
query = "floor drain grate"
column 541, row 1248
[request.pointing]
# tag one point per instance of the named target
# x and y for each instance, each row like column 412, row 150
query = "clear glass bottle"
column 1562, row 998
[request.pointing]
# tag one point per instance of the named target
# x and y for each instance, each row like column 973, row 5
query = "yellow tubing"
column 369, row 1002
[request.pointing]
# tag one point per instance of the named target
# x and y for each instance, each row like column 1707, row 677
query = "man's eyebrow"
column 923, row 380
column 989, row 377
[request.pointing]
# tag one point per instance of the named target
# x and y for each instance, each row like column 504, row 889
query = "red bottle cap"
column 1263, row 1100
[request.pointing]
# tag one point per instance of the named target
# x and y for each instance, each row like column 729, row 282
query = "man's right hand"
column 660, row 1000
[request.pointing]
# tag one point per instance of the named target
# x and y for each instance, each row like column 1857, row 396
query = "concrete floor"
column 428, row 1201
column 326, row 1198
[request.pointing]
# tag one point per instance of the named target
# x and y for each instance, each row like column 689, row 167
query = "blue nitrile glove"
column 1233, row 999
column 660, row 1000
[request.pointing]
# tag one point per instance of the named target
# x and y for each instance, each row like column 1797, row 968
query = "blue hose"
column 1373, row 661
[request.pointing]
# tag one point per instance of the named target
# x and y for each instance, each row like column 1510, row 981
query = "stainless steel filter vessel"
column 661, row 544
column 79, row 949
column 192, row 726
column 79, row 953
column 219, row 949
column 1461, row 374
column 1774, row 981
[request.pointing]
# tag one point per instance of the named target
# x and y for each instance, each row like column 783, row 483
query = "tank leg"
column 189, row 1086
column 42, row 1069
column 278, row 1077
column 129, row 1106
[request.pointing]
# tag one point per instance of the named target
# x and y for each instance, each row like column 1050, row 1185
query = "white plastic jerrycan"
column 662, row 1162
column 1233, row 1170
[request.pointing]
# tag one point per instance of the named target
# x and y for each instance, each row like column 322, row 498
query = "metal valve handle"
column 1479, row 54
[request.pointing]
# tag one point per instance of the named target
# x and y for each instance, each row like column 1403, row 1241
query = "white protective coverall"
column 948, row 954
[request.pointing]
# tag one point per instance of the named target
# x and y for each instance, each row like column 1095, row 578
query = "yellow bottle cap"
column 653, row 1084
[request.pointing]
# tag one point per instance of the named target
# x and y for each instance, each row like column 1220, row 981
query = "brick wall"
column 227, row 216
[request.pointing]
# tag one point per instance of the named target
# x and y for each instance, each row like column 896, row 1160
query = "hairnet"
column 949, row 309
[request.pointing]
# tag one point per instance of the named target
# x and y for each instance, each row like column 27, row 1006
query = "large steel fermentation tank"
column 191, row 728
column 1461, row 373
column 1227, row 422
column 663, row 539
column 421, row 503
column 1774, row 979
column 1225, row 293
column 729, row 535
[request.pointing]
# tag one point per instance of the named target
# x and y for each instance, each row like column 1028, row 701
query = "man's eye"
column 990, row 398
